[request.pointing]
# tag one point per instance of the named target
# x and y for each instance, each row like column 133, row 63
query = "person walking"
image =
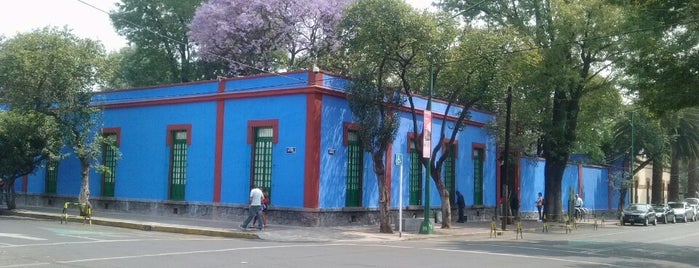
column 461, row 203
column 256, row 197
column 263, row 209
column 539, row 206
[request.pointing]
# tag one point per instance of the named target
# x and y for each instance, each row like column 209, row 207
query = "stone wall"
column 237, row 212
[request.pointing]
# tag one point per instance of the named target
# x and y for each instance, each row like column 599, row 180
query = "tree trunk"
column 657, row 195
column 692, row 179
column 622, row 198
column 673, row 191
column 10, row 197
column 384, row 202
column 444, row 196
column 553, row 174
column 84, row 197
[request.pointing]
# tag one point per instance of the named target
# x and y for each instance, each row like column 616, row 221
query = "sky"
column 19, row 16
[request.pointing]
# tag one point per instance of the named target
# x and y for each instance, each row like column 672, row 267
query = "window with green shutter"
column 262, row 158
column 353, row 194
column 478, row 176
column 51, row 176
column 109, row 157
column 178, row 164
column 415, row 177
column 450, row 173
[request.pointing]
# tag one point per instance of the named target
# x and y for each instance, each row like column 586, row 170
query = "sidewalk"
column 272, row 232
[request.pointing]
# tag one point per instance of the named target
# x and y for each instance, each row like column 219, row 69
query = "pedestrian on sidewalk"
column 461, row 204
column 256, row 197
column 540, row 205
column 265, row 205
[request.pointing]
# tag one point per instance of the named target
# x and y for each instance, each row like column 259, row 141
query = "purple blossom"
column 263, row 35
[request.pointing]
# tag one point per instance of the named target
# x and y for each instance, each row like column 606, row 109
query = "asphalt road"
column 39, row 243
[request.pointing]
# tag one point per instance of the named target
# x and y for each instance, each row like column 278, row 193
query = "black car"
column 639, row 213
column 664, row 213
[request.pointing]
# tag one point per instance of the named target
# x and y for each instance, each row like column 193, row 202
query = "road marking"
column 181, row 253
column 21, row 236
column 523, row 256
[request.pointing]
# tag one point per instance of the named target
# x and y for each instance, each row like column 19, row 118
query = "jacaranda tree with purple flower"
column 254, row 36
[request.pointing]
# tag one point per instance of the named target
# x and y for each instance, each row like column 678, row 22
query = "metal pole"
column 426, row 226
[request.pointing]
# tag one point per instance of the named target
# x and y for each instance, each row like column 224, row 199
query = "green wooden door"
column 478, row 176
column 262, row 159
column 450, row 174
column 109, row 162
column 51, row 176
column 415, row 177
column 178, row 164
column 353, row 196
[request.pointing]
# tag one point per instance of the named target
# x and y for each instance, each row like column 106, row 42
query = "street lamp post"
column 426, row 226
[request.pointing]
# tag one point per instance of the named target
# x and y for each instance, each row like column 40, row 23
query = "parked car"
column 639, row 213
column 682, row 211
column 664, row 213
column 694, row 203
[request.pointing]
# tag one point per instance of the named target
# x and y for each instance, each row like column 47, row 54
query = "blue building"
column 194, row 149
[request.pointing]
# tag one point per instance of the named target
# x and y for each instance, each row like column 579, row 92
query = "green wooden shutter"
column 450, row 174
column 354, row 171
column 262, row 158
column 415, row 177
column 178, row 162
column 478, row 176
column 109, row 163
column 51, row 176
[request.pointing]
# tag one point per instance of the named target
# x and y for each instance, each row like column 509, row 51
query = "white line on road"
column 522, row 256
column 21, row 236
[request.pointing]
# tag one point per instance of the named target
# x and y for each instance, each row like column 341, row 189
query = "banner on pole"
column 427, row 134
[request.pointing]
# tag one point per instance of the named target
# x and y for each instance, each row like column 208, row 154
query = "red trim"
column 25, row 178
column 580, row 178
column 475, row 145
column 346, row 127
column 311, row 175
column 205, row 81
column 218, row 147
column 445, row 142
column 174, row 127
column 389, row 169
column 114, row 130
column 411, row 136
column 252, row 124
column 498, row 174
column 315, row 78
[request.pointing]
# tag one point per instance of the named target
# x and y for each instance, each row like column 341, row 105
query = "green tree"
column 684, row 132
column 574, row 53
column 53, row 72
column 372, row 96
column 662, row 54
column 27, row 139
column 161, row 51
column 373, row 106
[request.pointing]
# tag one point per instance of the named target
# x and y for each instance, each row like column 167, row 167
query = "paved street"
column 27, row 242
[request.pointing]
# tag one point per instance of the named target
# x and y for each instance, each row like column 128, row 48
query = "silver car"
column 694, row 203
column 682, row 211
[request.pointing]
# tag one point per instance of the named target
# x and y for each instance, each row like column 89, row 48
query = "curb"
column 157, row 227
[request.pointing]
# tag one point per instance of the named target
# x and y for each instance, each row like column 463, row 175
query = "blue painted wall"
column 142, row 172
column 594, row 184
